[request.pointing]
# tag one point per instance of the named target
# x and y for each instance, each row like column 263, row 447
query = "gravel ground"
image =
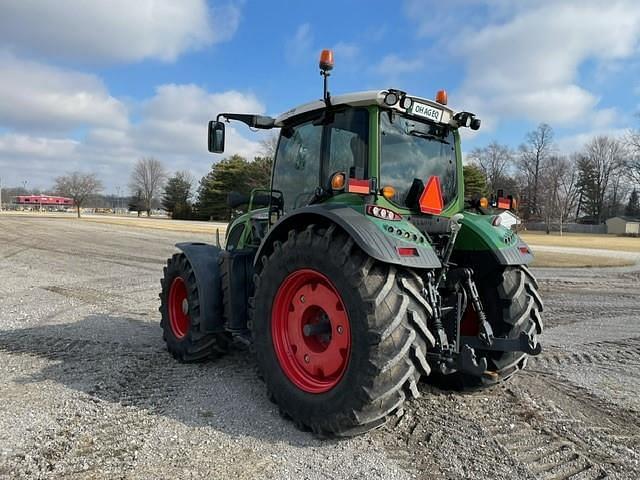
column 88, row 390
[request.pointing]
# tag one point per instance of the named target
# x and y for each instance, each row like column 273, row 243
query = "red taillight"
column 362, row 187
column 431, row 198
column 524, row 250
column 383, row 213
column 407, row 251
column 504, row 203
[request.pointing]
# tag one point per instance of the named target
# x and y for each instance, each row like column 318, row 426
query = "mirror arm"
column 253, row 121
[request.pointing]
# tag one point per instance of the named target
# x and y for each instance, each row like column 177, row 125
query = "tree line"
column 152, row 187
column 599, row 181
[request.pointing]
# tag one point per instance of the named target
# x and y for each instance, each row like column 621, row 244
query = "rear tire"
column 181, row 318
column 513, row 305
column 387, row 325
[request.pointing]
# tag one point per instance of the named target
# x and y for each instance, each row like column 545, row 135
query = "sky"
column 94, row 86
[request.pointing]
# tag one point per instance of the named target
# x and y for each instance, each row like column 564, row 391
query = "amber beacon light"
column 326, row 60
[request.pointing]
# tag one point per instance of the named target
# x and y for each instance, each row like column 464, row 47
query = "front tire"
column 181, row 317
column 366, row 333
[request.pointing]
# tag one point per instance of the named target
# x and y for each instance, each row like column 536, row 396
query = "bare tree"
column 533, row 155
column 560, row 183
column 632, row 163
column 78, row 186
column 269, row 145
column 148, row 176
column 494, row 160
column 605, row 155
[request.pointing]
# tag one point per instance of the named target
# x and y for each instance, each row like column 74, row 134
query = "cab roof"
column 361, row 99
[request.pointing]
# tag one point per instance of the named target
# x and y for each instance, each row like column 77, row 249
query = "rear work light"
column 383, row 213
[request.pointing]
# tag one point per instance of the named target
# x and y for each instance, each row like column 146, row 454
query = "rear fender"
column 369, row 236
column 204, row 260
column 482, row 244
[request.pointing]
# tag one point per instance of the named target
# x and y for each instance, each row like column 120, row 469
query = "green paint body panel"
column 477, row 234
column 357, row 203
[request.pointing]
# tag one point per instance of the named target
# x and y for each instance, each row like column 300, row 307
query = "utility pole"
column 0, row 194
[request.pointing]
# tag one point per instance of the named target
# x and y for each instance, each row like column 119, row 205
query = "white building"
column 623, row 226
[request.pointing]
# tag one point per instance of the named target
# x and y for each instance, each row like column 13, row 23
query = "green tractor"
column 362, row 270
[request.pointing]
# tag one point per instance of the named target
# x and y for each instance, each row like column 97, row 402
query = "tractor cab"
column 381, row 148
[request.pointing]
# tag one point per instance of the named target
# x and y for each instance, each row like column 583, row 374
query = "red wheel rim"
column 310, row 331
column 179, row 320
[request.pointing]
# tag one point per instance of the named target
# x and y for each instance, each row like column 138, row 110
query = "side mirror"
column 216, row 137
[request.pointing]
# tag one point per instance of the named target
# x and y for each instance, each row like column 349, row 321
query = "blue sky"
column 86, row 86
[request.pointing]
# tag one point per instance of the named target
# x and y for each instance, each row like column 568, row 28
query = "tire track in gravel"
column 544, row 454
column 12, row 254
column 559, row 430
column 606, row 434
column 121, row 258
column 540, row 426
column 605, row 353
column 437, row 437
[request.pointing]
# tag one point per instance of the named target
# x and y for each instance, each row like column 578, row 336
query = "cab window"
column 348, row 143
column 297, row 167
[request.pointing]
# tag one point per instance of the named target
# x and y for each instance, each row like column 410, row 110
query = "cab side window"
column 297, row 167
column 348, row 143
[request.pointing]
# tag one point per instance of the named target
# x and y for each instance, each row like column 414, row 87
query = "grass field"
column 156, row 223
column 572, row 260
column 581, row 240
column 161, row 224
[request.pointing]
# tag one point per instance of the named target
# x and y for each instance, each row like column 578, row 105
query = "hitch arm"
column 524, row 343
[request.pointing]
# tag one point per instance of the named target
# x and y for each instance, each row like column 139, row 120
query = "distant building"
column 43, row 200
column 623, row 226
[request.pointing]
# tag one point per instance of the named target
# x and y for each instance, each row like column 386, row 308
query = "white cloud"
column 175, row 119
column 545, row 46
column 298, row 47
column 37, row 96
column 114, row 31
column 172, row 126
column 555, row 104
column 392, row 65
column 20, row 146
column 345, row 51
column 569, row 144
column 524, row 61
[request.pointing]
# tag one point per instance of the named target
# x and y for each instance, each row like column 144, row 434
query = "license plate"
column 426, row 111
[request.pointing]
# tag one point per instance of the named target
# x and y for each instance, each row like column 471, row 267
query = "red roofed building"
column 43, row 200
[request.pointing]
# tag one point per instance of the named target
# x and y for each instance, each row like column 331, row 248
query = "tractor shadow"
column 124, row 361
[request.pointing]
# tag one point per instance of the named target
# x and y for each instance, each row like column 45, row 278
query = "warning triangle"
column 431, row 198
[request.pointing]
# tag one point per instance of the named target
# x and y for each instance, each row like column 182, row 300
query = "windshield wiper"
column 428, row 136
